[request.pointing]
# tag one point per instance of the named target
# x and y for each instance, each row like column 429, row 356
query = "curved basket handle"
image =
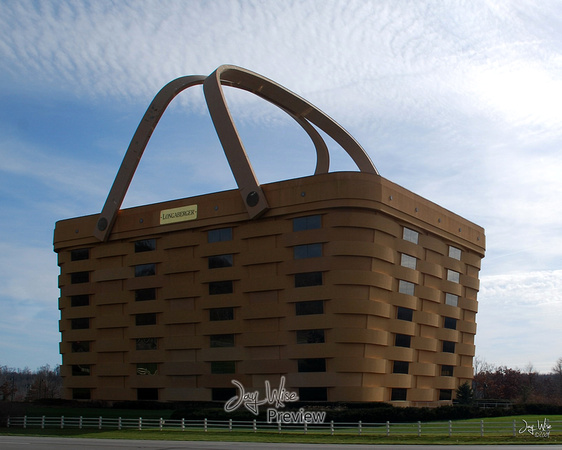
column 142, row 135
column 252, row 194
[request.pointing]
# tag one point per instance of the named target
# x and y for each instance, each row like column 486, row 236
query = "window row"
column 413, row 236
column 401, row 394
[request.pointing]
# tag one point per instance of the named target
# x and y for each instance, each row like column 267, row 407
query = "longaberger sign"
column 181, row 214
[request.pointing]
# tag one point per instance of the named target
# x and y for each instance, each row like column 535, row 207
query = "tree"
column 465, row 394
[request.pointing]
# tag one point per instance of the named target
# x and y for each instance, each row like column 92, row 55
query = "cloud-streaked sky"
column 458, row 101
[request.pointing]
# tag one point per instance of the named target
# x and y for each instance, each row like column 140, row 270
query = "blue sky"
column 457, row 101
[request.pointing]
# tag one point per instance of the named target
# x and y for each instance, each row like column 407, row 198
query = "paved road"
column 48, row 443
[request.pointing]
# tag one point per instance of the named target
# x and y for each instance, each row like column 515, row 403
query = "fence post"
column 119, row 424
column 80, row 422
column 255, row 427
column 25, row 421
column 305, row 427
column 387, row 428
column 160, row 424
column 229, row 424
column 450, row 428
column 183, row 424
column 140, row 423
column 419, row 428
column 8, row 422
column 332, row 427
column 514, row 428
column 42, row 422
column 481, row 428
column 100, row 422
column 205, row 424
column 359, row 428
column 61, row 422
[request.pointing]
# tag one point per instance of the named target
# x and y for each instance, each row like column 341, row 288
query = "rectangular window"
column 398, row 394
column 307, row 251
column 145, row 245
column 408, row 261
column 79, row 277
column 309, row 307
column 313, row 394
column 404, row 313
column 80, row 254
column 218, row 261
column 311, row 365
column 147, row 368
column 219, row 235
column 81, row 323
column 221, row 287
column 405, row 287
column 145, row 270
column 142, row 295
column 80, row 347
column 310, row 336
column 400, row 367
column 145, row 319
column 226, row 313
column 222, row 340
column 222, row 394
column 81, row 394
column 223, row 366
column 142, row 344
column 451, row 299
column 147, row 394
column 410, row 235
column 445, row 394
column 402, row 340
column 448, row 347
column 79, row 300
column 307, row 223
column 453, row 276
column 454, row 252
column 308, row 279
column 446, row 371
column 450, row 323
column 80, row 370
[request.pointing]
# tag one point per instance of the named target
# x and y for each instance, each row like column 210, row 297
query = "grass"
column 408, row 434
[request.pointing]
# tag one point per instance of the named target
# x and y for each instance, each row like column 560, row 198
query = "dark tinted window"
column 309, row 307
column 81, row 394
column 145, row 319
column 147, row 394
column 146, row 343
column 404, row 313
column 445, row 394
column 80, row 347
column 80, row 323
column 145, row 245
column 145, row 270
column 222, row 394
column 400, row 367
column 226, row 313
column 307, row 223
column 446, row 371
column 218, row 261
column 450, row 323
column 399, row 394
column 80, row 370
column 223, row 366
column 79, row 300
column 312, row 365
column 80, row 254
column 448, row 347
column 79, row 277
column 142, row 295
column 147, row 368
column 308, row 279
column 220, row 287
column 313, row 394
column 222, row 340
column 402, row 340
column 222, row 234
column 307, row 251
column 310, row 336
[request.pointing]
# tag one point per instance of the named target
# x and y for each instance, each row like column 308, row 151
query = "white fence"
column 449, row 428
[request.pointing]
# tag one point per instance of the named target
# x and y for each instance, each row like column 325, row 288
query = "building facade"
column 349, row 287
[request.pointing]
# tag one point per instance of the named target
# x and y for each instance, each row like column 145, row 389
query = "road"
column 53, row 443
